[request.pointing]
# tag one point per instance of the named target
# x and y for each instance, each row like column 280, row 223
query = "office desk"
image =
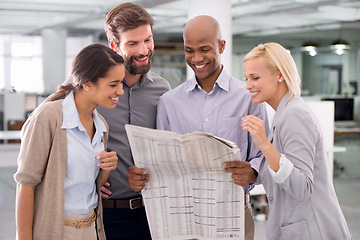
column 350, row 130
column 9, row 154
column 346, row 127
column 12, row 134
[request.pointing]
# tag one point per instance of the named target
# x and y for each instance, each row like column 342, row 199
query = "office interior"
column 39, row 39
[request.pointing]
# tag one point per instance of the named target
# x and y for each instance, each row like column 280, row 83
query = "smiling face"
column 107, row 90
column 136, row 47
column 202, row 48
column 263, row 83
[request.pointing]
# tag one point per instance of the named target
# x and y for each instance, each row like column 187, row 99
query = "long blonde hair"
column 278, row 59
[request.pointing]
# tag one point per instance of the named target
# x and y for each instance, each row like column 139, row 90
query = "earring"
column 279, row 80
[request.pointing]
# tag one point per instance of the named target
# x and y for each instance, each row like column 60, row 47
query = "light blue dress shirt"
column 189, row 108
column 80, row 187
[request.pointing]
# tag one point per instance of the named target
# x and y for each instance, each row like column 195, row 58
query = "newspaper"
column 188, row 196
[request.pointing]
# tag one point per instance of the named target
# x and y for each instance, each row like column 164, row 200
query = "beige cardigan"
column 42, row 162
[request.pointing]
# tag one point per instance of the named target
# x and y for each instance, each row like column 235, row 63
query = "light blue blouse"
column 82, row 169
column 188, row 108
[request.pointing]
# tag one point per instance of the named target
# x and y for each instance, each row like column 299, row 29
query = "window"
column 21, row 64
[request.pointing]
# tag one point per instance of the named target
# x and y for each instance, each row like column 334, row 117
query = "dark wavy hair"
column 90, row 64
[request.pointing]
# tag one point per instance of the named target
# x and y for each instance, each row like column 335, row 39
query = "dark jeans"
column 126, row 224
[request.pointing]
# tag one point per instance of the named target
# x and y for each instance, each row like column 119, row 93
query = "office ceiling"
column 251, row 18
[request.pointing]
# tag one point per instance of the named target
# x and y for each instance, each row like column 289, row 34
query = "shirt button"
column 206, row 119
column 207, row 96
column 271, row 200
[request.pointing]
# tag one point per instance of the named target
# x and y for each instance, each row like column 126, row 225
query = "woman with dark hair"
column 62, row 163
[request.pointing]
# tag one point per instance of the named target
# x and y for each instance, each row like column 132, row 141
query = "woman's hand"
column 108, row 160
column 256, row 127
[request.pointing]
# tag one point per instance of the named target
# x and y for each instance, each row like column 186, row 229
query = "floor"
column 346, row 182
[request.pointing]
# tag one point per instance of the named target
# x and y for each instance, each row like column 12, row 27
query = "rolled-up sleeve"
column 286, row 167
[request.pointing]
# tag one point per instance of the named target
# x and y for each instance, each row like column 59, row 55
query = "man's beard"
column 134, row 69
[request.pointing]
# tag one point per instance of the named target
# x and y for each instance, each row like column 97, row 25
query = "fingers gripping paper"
column 189, row 195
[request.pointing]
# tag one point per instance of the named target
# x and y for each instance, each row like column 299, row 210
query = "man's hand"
column 137, row 178
column 242, row 173
column 105, row 193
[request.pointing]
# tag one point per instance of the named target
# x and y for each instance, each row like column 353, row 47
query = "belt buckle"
column 86, row 220
column 79, row 222
column 131, row 203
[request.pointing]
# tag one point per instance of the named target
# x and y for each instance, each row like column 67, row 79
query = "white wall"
column 324, row 111
column 14, row 107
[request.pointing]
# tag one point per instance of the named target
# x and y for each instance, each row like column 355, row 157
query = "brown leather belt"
column 81, row 223
column 123, row 203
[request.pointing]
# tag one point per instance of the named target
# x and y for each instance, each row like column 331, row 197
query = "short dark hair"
column 90, row 64
column 124, row 17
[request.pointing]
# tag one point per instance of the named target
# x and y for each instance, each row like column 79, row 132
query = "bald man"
column 211, row 101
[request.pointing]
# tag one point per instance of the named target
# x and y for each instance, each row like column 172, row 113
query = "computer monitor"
column 344, row 108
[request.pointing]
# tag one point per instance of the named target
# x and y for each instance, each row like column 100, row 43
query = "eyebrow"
column 206, row 46
column 116, row 81
column 201, row 47
column 131, row 42
column 136, row 41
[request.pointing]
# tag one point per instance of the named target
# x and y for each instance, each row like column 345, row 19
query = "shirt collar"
column 222, row 81
column 99, row 126
column 284, row 101
column 71, row 117
column 143, row 79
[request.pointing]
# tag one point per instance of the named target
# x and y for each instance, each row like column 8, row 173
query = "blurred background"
column 40, row 38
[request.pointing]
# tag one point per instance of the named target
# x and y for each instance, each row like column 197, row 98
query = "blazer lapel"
column 277, row 116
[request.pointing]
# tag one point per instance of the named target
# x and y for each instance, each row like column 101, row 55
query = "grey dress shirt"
column 138, row 107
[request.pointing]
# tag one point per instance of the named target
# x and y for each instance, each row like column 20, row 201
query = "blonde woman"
column 295, row 174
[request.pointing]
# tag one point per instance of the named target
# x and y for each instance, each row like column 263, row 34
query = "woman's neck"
column 275, row 101
column 85, row 110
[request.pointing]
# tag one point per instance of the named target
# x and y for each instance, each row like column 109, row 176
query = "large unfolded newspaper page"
column 188, row 196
